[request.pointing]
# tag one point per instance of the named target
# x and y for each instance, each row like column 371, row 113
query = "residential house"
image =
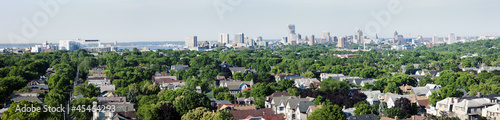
column 108, row 88
column 218, row 103
column 271, row 102
column 301, row 110
column 241, row 70
column 27, row 98
column 238, row 107
column 279, row 77
column 487, row 69
column 235, row 86
column 426, row 90
column 131, row 115
column 277, row 104
column 266, row 117
column 304, row 83
column 469, row 107
column 242, row 101
column 179, row 67
column 242, row 114
column 406, row 88
column 168, row 83
column 373, row 96
column 97, row 70
column 364, row 117
column 311, row 109
column 291, row 106
column 325, row 76
column 120, row 107
column 434, row 73
column 413, row 99
column 99, row 81
column 111, row 99
column 492, row 112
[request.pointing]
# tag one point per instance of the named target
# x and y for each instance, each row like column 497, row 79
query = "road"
column 75, row 82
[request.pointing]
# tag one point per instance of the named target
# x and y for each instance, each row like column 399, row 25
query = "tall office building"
column 451, row 38
column 311, row 40
column 192, row 41
column 291, row 29
column 223, row 38
column 342, row 41
column 291, row 35
column 398, row 39
column 258, row 38
column 358, row 37
column 239, row 38
column 435, row 38
column 326, row 36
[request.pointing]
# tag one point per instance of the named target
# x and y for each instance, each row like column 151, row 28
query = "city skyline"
column 133, row 21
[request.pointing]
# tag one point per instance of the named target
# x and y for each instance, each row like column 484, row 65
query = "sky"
column 36, row 21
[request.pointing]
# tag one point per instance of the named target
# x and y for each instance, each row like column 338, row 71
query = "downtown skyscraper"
column 223, row 38
column 239, row 38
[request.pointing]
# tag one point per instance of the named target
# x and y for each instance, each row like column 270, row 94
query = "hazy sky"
column 173, row 20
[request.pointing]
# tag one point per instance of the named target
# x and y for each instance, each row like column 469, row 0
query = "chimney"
column 395, row 117
column 478, row 94
column 264, row 113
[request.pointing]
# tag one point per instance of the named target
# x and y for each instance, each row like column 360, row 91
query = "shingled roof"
column 242, row 114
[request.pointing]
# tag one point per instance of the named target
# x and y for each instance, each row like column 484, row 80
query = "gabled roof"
column 293, row 103
column 27, row 98
column 279, row 94
column 242, row 114
column 363, row 117
column 304, row 105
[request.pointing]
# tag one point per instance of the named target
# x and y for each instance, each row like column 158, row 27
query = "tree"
column 225, row 96
column 328, row 112
column 406, row 106
column 82, row 102
column 249, row 77
column 393, row 88
column 148, row 112
column 393, row 112
column 238, row 76
column 55, row 98
column 318, row 100
column 190, row 100
column 218, row 90
column 285, row 84
column 168, row 112
column 131, row 96
column 202, row 113
column 293, row 91
column 362, row 109
column 334, row 85
column 308, row 74
column 12, row 113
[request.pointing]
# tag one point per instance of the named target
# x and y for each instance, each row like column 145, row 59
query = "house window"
column 282, row 108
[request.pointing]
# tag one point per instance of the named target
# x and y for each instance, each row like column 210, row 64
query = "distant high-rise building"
column 451, row 38
column 311, row 39
column 398, row 39
column 435, row 38
column 192, row 41
column 116, row 42
column 342, row 41
column 291, row 29
column 291, row 35
column 223, row 38
column 358, row 38
column 258, row 38
column 335, row 39
column 326, row 36
column 239, row 38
